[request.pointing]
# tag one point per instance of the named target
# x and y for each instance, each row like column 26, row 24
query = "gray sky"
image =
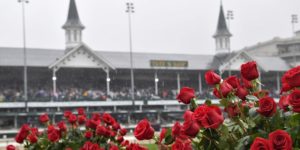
column 165, row 26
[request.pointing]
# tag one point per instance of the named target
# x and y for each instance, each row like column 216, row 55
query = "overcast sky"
column 165, row 26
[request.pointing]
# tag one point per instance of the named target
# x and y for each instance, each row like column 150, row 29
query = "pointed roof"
column 73, row 20
column 222, row 29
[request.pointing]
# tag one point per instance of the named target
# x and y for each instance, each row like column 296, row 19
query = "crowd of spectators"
column 80, row 94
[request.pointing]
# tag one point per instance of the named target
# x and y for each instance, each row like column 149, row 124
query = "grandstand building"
column 57, row 78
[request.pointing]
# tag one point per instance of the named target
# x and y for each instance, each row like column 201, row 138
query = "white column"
column 156, row 83
column 200, row 82
column 278, row 81
column 107, row 82
column 54, row 81
column 178, row 82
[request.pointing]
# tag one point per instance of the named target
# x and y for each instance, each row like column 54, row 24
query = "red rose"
column 209, row 116
column 81, row 119
column 233, row 110
column 113, row 147
column 225, row 88
column 249, row 70
column 285, row 87
column 123, row 131
column 233, row 81
column 10, row 147
column 88, row 134
column 260, row 144
column 101, row 130
column 62, row 126
column 241, row 93
column 24, row 131
column 294, row 100
column 44, row 118
column 35, row 131
column 67, row 113
column 267, row 106
column 176, row 129
column 143, row 131
column 96, row 116
column 81, row 111
column 107, row 118
column 212, row 78
column 190, row 127
column 116, row 126
column 113, row 133
column 125, row 143
column 280, row 139
column 92, row 124
column 136, row 147
column 72, row 119
column 162, row 134
column 120, row 139
column 53, row 135
column 247, row 83
column 292, row 77
column 185, row 95
column 182, row 145
column 32, row 138
column 284, row 103
column 216, row 93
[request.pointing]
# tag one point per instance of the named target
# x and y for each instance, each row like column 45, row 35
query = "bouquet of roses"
column 76, row 132
column 254, row 120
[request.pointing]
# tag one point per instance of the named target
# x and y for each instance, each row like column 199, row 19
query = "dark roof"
column 73, row 20
column 222, row 29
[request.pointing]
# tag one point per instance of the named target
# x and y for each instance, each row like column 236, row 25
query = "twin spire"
column 73, row 28
column 222, row 35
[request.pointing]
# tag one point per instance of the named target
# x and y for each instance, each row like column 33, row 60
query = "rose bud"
column 81, row 119
column 72, row 119
column 123, row 131
column 247, row 83
column 182, row 145
column 96, row 116
column 280, row 139
column 260, row 143
column 120, row 139
column 292, row 77
column 176, row 129
column 21, row 136
column 241, row 93
column 62, row 126
column 53, row 136
column 233, row 81
column 44, row 118
column 162, row 134
column 232, row 110
column 209, row 116
column 101, row 130
column 32, row 138
column 283, row 103
column 143, row 130
column 185, row 95
column 81, row 111
column 249, row 70
column 216, row 93
column 88, row 134
column 294, row 100
column 225, row 88
column 267, row 106
column 67, row 113
column 107, row 118
column 190, row 127
column 116, row 126
column 212, row 78
column 10, row 147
